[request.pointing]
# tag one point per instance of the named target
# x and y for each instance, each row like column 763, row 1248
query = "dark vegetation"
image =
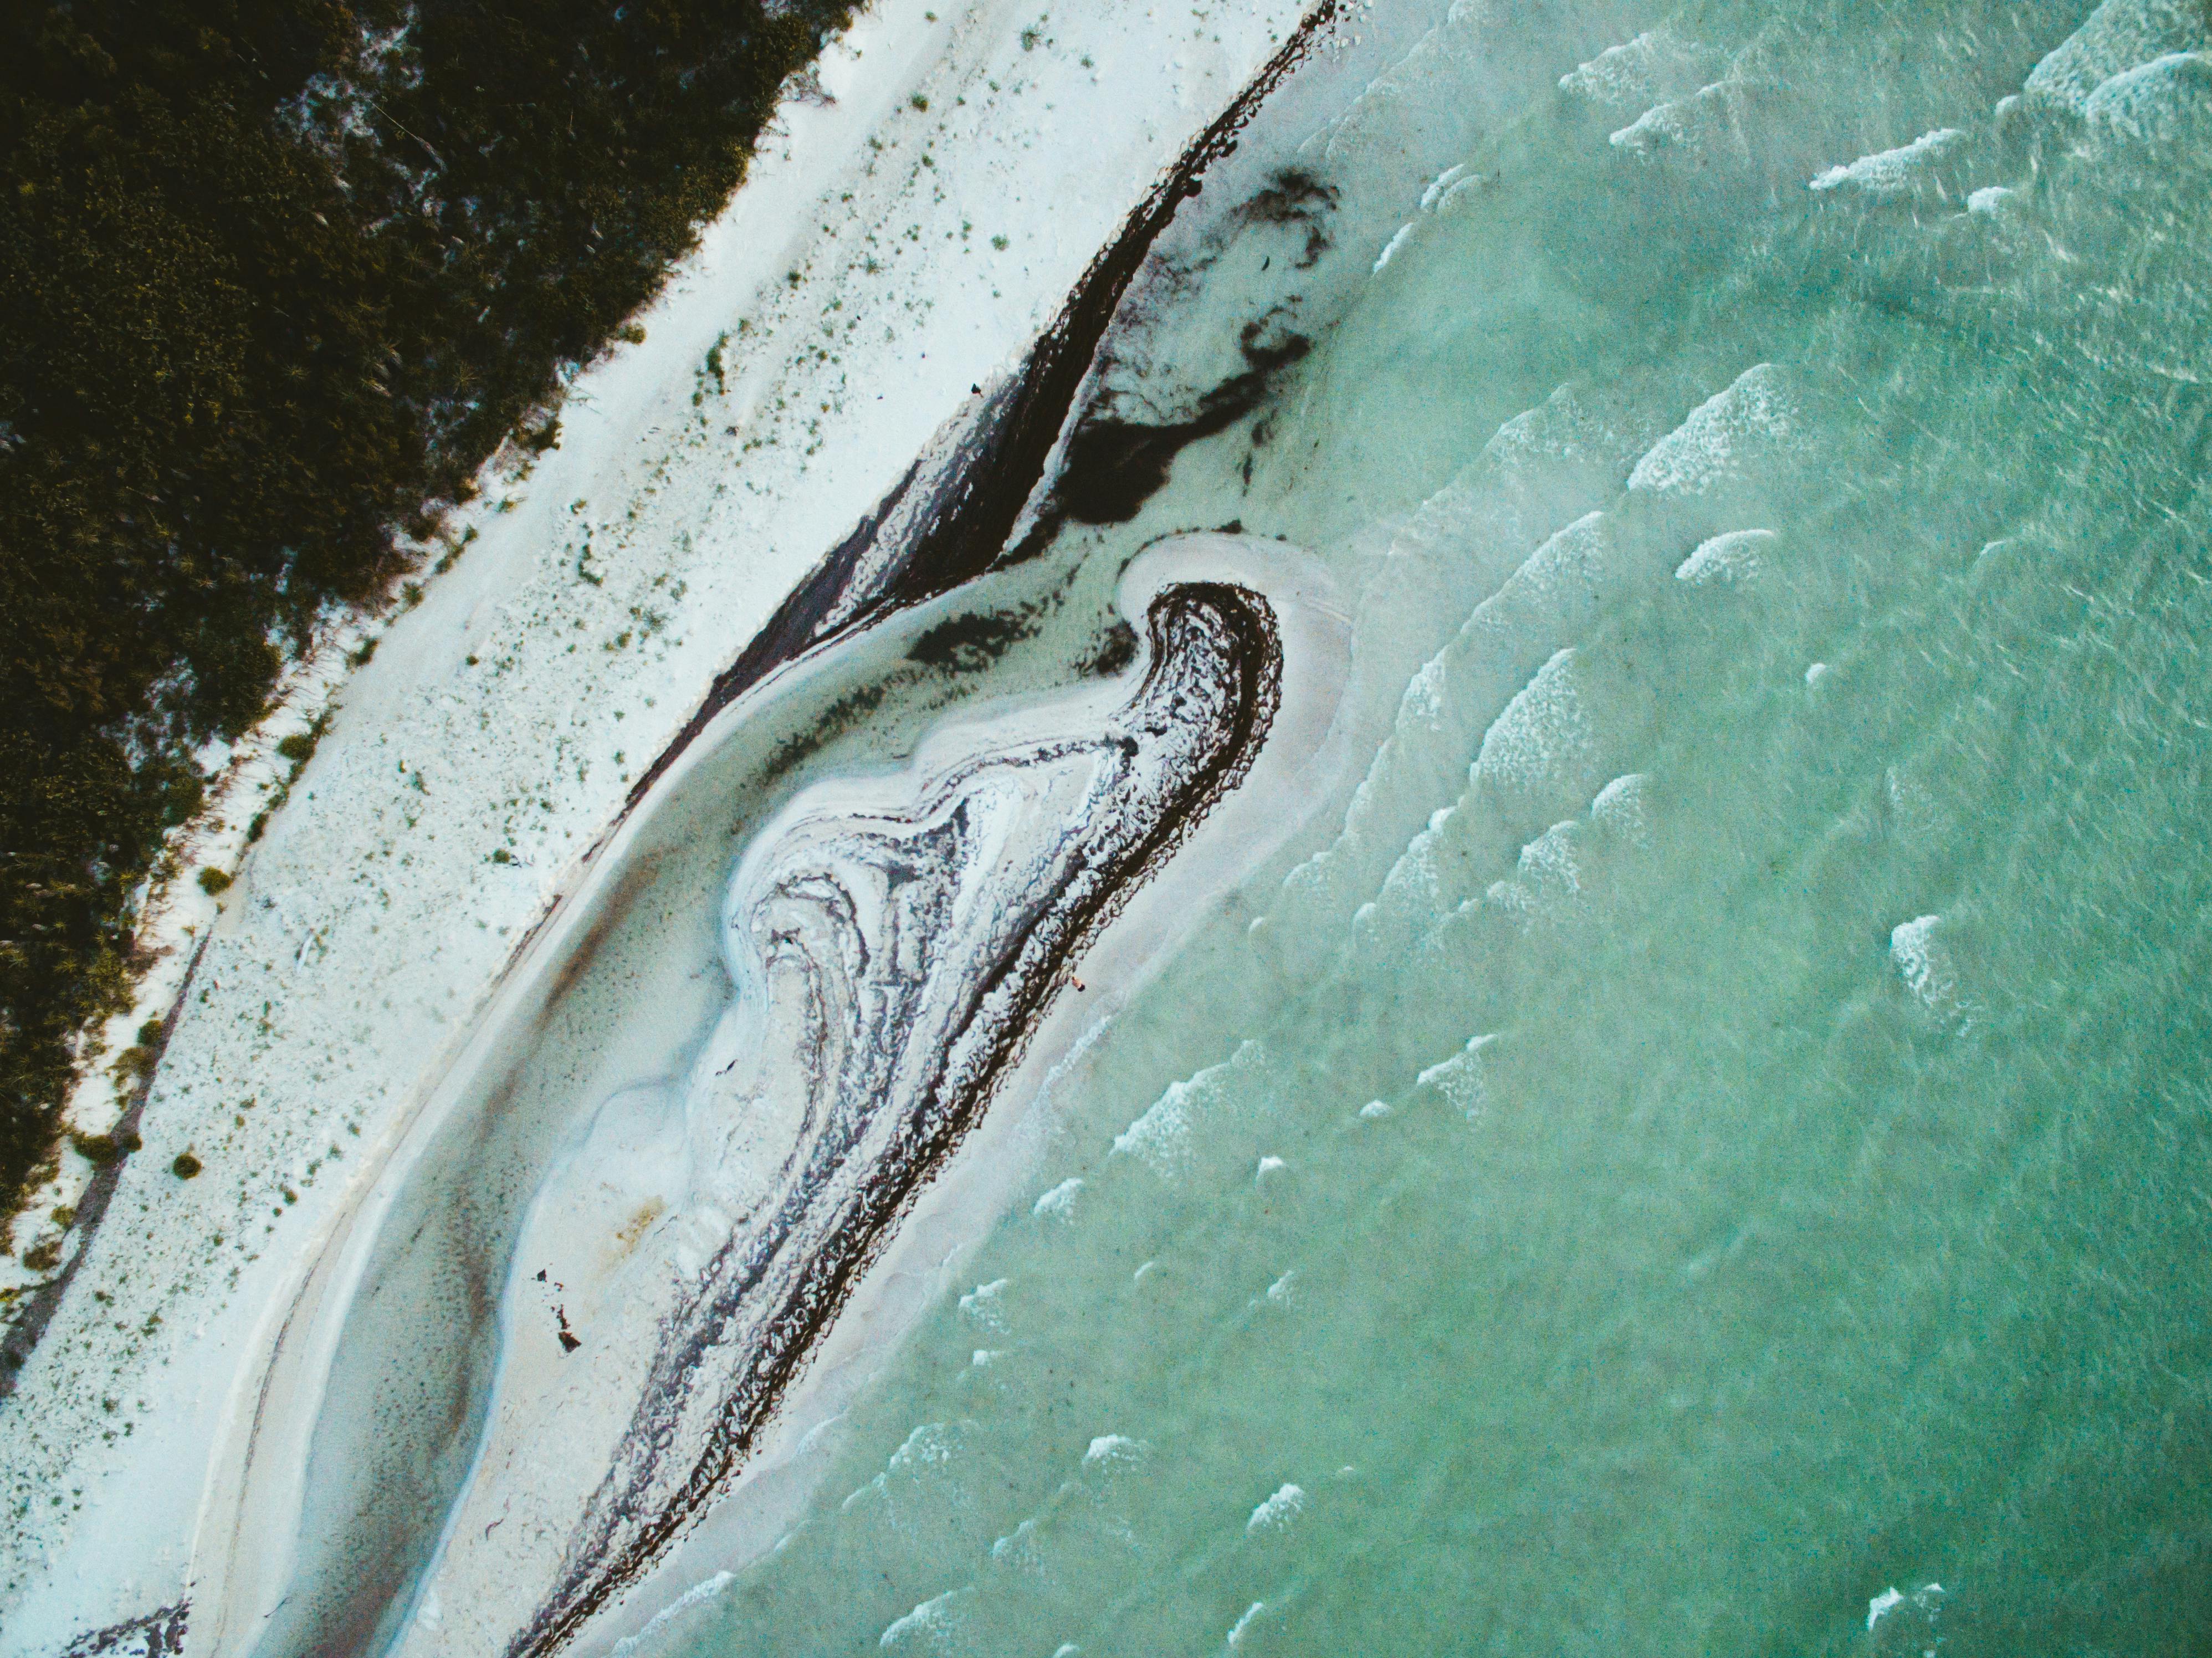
column 276, row 278
column 1115, row 466
column 968, row 644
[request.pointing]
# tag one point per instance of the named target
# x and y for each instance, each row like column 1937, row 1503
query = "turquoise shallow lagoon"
column 1701, row 1146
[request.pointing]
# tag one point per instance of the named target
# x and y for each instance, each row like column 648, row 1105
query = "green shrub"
column 186, row 1166
column 99, row 1150
column 538, row 436
column 214, row 882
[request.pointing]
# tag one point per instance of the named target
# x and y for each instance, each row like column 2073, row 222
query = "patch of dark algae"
column 1184, row 741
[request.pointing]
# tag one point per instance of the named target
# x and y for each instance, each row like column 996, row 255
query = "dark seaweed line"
column 965, row 527
column 871, row 1218
column 160, row 1632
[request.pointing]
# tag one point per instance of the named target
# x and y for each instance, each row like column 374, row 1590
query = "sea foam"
column 1924, row 962
column 1243, row 1624
column 1550, row 867
column 983, row 1304
column 1277, row 1511
column 935, row 1625
column 2119, row 35
column 2166, row 99
column 1621, row 808
column 1755, row 416
column 1655, row 65
column 1732, row 559
column 1460, row 1078
column 1545, row 731
column 1113, row 1448
column 1701, row 123
column 652, row 1633
column 1058, row 1204
column 1891, row 172
column 1161, row 1136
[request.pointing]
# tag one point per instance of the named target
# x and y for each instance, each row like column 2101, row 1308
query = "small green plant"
column 214, row 882
column 100, row 1149
column 918, row 101
column 634, row 333
column 299, row 748
column 185, row 1166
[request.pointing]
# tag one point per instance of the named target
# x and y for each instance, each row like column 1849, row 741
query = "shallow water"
column 1714, row 1130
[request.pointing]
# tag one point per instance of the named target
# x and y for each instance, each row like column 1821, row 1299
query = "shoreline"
column 1307, row 749
column 341, row 1046
column 1119, row 851
column 986, row 471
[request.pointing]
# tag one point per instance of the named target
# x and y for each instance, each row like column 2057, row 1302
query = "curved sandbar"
column 650, row 1198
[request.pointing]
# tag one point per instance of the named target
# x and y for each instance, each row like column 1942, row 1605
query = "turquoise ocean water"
column 1704, row 1144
